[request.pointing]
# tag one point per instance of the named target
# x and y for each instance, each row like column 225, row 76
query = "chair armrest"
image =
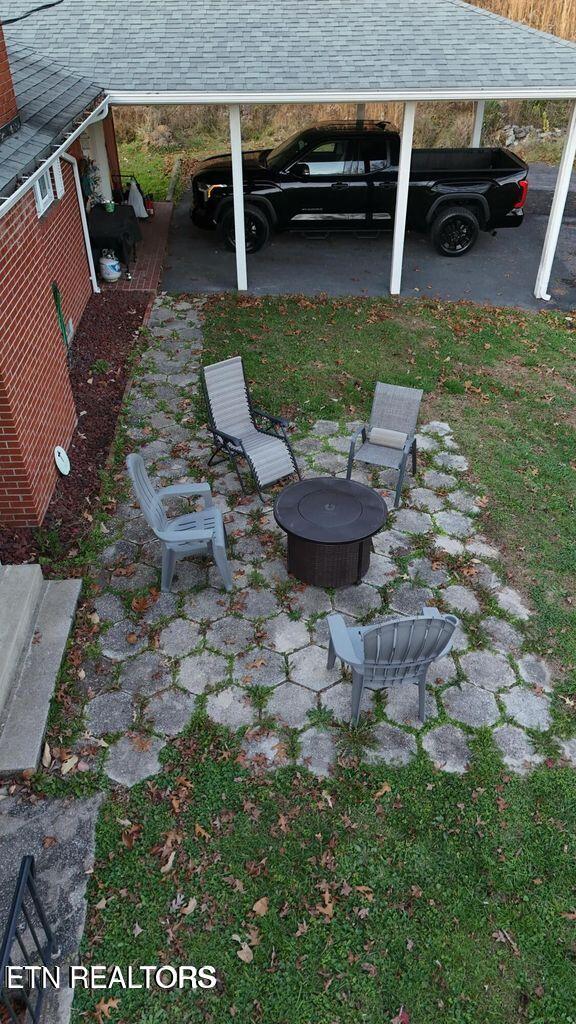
column 236, row 441
column 408, row 444
column 430, row 612
column 183, row 490
column 433, row 613
column 341, row 641
column 181, row 536
column 273, row 419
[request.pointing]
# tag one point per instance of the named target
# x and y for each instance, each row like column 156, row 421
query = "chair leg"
column 349, row 466
column 223, row 565
column 414, row 458
column 217, row 449
column 168, row 564
column 331, row 655
column 422, row 698
column 357, row 691
column 401, row 472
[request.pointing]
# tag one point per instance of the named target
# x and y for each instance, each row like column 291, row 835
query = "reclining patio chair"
column 396, row 652
column 196, row 533
column 233, row 424
column 389, row 438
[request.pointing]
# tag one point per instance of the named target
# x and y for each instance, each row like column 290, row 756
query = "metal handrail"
column 25, row 903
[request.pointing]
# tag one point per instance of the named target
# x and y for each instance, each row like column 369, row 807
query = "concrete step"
column 23, row 721
column 21, row 588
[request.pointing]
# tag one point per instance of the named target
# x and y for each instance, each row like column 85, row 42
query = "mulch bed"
column 99, row 370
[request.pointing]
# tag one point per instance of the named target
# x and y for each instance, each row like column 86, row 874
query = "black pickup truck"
column 342, row 176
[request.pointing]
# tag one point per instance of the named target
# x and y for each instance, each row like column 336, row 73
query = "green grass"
column 449, row 896
column 505, row 380
column 151, row 167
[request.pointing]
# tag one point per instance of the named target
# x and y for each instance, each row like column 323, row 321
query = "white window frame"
column 43, row 202
column 58, row 178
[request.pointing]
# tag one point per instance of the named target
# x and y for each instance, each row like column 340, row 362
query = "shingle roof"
column 279, row 46
column 50, row 99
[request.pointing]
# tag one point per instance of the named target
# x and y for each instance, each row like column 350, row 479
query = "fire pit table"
column 329, row 524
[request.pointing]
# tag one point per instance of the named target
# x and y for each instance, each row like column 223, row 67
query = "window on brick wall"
column 43, row 192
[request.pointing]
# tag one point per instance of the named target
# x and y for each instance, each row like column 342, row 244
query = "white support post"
column 238, row 195
column 402, row 197
column 557, row 211
column 479, row 108
column 360, row 111
column 99, row 155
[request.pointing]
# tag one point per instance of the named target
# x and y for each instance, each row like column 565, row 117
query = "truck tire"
column 454, row 230
column 257, row 228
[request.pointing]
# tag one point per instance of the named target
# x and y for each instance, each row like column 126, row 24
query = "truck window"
column 373, row 154
column 333, row 157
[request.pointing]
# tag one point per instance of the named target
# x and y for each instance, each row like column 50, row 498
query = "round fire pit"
column 329, row 524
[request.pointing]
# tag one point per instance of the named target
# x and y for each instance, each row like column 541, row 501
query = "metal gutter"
column 119, row 97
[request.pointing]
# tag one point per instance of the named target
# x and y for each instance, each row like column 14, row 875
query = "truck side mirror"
column 300, row 170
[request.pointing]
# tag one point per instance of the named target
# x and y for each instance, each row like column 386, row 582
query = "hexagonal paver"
column 568, row 749
column 133, row 758
column 308, row 668
column 424, row 571
column 441, row 671
column 448, row 545
column 198, row 671
column 380, row 571
column 438, row 481
column 109, row 712
column 460, row 639
column 410, row 521
column 471, row 705
column 464, row 502
column 259, row 667
column 188, row 575
column 532, row 710
column 510, row 601
column 145, row 675
column 230, row 707
column 285, row 634
column 338, row 700
column 460, row 599
column 290, row 704
column 179, row 638
column 409, row 600
column 426, row 499
column 448, row 748
column 207, row 605
column 487, row 670
column 482, row 549
column 449, row 460
column 109, row 608
column 357, row 601
column 455, row 524
column 438, row 427
column 402, row 705
column 391, row 746
column 317, row 751
column 504, row 637
column 517, row 749
column 264, row 749
column 329, row 462
column 231, row 635
column 309, row 601
column 141, row 578
column 170, row 712
column 536, row 671
column 123, row 640
column 485, row 577
column 392, row 542
column 426, row 443
column 164, row 607
column 257, row 604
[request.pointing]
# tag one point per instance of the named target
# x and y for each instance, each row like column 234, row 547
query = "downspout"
column 72, row 160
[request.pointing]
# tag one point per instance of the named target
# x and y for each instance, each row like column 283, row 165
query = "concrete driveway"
column 500, row 271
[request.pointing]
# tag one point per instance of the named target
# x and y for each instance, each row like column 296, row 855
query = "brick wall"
column 36, row 405
column 8, row 108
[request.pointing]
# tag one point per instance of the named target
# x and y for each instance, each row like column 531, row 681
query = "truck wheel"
column 256, row 226
column 454, row 231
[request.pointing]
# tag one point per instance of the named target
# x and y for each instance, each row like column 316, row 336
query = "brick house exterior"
column 38, row 251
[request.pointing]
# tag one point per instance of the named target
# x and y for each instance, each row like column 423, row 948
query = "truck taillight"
column 523, row 186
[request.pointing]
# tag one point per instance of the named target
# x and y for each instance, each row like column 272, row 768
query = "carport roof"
column 246, row 50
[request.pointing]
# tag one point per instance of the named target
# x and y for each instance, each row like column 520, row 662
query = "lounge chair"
column 389, row 438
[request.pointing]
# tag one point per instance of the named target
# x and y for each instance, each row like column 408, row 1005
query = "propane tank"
column 110, row 269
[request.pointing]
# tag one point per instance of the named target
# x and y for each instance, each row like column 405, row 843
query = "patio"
column 255, row 660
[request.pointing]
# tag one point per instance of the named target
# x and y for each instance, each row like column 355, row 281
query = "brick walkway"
column 150, row 254
column 255, row 660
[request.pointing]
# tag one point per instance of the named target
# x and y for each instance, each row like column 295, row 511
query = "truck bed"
column 461, row 161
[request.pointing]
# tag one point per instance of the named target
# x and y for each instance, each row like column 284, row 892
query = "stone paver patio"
column 255, row 660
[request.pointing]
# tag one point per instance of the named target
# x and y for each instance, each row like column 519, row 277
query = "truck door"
column 374, row 158
column 323, row 186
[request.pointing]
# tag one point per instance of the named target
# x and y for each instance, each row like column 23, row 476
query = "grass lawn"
column 401, row 896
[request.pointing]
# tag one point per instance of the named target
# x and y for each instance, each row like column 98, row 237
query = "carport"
column 313, row 51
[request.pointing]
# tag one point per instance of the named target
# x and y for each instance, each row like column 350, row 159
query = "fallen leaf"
column 384, row 788
column 103, row 1007
column 137, row 930
column 260, row 908
column 168, row 865
column 190, row 907
column 46, row 756
column 201, row 832
column 69, row 764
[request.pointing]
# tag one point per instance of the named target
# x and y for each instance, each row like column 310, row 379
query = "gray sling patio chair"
column 392, row 653
column 389, row 438
column 195, row 533
column 234, row 424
